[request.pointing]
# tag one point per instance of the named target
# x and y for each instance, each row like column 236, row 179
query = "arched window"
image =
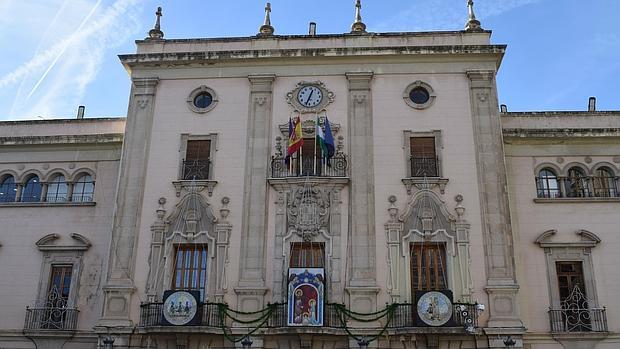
column 8, row 189
column 32, row 190
column 547, row 184
column 83, row 189
column 604, row 183
column 57, row 189
column 577, row 183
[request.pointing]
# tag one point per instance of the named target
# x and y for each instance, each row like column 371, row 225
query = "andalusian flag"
column 295, row 138
column 325, row 140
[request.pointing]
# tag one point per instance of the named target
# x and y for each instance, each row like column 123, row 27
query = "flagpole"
column 301, row 148
column 316, row 134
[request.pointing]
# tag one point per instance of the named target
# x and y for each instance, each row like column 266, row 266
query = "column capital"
column 145, row 85
column 261, row 82
column 477, row 75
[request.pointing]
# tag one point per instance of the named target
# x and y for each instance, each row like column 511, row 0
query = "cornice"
column 63, row 139
column 184, row 58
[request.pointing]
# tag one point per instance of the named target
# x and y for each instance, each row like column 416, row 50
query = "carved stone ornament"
column 328, row 98
column 308, row 211
column 308, row 127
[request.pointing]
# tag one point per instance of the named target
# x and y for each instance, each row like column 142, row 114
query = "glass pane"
column 32, row 190
column 8, row 189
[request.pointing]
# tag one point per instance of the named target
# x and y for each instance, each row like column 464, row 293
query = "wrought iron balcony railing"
column 578, row 320
column 196, row 169
column 51, row 318
column 424, row 166
column 464, row 315
column 309, row 166
column 151, row 315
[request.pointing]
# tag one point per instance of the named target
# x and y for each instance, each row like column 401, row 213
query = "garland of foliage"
column 265, row 314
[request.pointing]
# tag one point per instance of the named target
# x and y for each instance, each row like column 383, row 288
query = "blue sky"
column 58, row 54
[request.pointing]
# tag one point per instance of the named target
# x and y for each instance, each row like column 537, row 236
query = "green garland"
column 342, row 312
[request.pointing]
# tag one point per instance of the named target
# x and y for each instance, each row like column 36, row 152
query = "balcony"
column 309, row 166
column 578, row 320
column 51, row 318
column 465, row 320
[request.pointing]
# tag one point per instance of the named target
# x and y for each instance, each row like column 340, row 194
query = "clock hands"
column 310, row 96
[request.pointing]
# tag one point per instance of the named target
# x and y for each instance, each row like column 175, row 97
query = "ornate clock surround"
column 328, row 97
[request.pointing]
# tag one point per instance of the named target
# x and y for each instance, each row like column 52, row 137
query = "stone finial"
column 266, row 29
column 358, row 27
column 473, row 25
column 156, row 32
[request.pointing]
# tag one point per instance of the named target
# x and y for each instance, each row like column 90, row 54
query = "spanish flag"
column 295, row 137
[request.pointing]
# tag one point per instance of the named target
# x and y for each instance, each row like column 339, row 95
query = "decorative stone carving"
column 426, row 219
column 307, row 211
column 309, row 127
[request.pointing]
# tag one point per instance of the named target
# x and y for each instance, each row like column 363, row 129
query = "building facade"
column 428, row 218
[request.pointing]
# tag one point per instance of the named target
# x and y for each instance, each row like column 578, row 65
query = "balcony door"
column 428, row 267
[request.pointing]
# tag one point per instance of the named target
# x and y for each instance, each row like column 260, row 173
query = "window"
column 32, row 190
column 60, row 285
column 55, row 311
column 419, row 95
column 190, row 268
column 423, row 157
column 577, row 183
column 307, row 255
column 202, row 100
column 428, row 266
column 83, row 189
column 547, row 184
column 574, row 302
column 57, row 189
column 604, row 183
column 8, row 189
column 197, row 160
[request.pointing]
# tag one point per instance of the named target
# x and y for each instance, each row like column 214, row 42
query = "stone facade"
column 502, row 232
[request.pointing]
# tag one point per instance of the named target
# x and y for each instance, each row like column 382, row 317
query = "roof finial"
column 358, row 27
column 156, row 32
column 473, row 25
column 266, row 29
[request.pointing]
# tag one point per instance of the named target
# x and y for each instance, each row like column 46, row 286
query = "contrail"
column 92, row 11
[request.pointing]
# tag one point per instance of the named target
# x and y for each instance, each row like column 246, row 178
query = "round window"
column 419, row 95
column 203, row 100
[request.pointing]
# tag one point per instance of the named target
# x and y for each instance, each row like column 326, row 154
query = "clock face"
column 310, row 96
column 434, row 308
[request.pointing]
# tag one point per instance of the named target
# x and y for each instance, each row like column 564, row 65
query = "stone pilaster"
column 251, row 288
column 119, row 283
column 223, row 229
column 279, row 266
column 362, row 286
column 501, row 285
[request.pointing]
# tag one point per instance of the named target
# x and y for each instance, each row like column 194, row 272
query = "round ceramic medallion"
column 180, row 308
column 434, row 308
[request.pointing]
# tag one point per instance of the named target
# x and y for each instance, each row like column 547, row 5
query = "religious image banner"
column 305, row 296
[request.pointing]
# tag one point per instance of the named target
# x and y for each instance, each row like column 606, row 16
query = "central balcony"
column 402, row 320
column 309, row 166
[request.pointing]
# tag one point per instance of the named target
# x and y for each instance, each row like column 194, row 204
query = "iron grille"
column 151, row 314
column 196, row 169
column 578, row 320
column 309, row 166
column 51, row 318
column 424, row 166
column 464, row 314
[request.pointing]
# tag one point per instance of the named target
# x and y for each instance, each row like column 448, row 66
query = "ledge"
column 47, row 204
column 575, row 200
column 425, row 183
column 198, row 184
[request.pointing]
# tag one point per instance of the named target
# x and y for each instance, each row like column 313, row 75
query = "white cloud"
column 428, row 15
column 56, row 77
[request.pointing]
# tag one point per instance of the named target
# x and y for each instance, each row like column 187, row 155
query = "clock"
column 310, row 96
column 434, row 308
